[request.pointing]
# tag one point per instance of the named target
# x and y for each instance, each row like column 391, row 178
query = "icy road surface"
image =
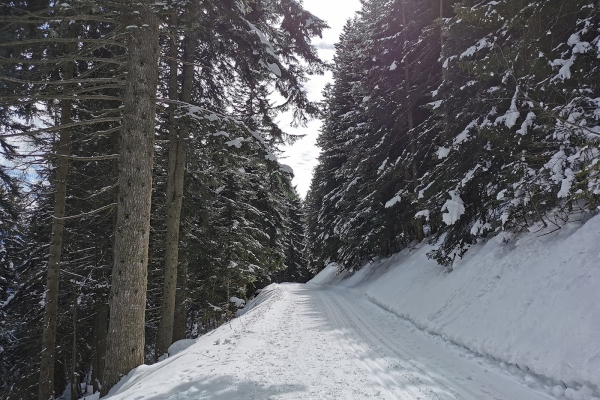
column 308, row 342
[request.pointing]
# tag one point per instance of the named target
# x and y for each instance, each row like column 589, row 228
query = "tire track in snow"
column 427, row 385
column 478, row 382
column 387, row 382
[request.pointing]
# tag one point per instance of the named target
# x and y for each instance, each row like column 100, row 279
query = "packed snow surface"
column 309, row 342
column 531, row 302
column 517, row 319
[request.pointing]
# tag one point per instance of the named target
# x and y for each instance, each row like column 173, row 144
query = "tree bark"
column 46, row 386
column 179, row 324
column 442, row 24
column 127, row 302
column 74, row 380
column 173, row 205
column 100, row 325
column 407, row 87
column 101, row 319
column 175, row 181
column 444, row 71
column 411, row 125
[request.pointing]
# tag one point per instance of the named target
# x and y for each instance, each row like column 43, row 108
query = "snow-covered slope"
column 531, row 301
column 529, row 306
column 307, row 342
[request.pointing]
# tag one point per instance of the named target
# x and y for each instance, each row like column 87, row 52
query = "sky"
column 302, row 156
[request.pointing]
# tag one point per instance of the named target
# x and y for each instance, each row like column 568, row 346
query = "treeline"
column 456, row 120
column 140, row 193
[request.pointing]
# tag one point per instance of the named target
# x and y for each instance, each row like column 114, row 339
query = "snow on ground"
column 531, row 301
column 514, row 318
column 309, row 342
column 284, row 347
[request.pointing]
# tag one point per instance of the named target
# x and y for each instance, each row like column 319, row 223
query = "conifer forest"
column 141, row 196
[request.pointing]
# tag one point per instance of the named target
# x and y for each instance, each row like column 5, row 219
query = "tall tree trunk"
column 411, row 125
column 74, row 380
column 442, row 24
column 179, row 324
column 125, row 339
column 101, row 319
column 46, row 387
column 173, row 203
column 175, row 180
column 444, row 71
column 99, row 343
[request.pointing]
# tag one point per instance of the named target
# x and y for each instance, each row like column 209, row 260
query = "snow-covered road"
column 309, row 342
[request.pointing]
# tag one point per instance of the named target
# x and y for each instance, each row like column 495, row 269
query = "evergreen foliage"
column 495, row 129
column 238, row 199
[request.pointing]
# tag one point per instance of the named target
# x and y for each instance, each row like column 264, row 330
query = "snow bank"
column 329, row 275
column 195, row 368
column 180, row 346
column 533, row 301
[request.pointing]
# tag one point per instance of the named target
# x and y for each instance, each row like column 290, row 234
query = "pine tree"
column 125, row 341
column 504, row 85
column 370, row 211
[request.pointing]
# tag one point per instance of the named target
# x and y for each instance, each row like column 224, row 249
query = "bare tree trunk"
column 175, row 181
column 101, row 319
column 444, row 71
column 442, row 24
column 179, row 324
column 46, row 387
column 167, row 309
column 125, row 338
column 411, row 125
column 74, row 384
column 100, row 325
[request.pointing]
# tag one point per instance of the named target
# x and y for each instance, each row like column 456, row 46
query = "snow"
column 481, row 44
column 180, row 346
column 423, row 213
column 274, row 68
column 527, row 123
column 556, row 165
column 393, row 201
column 443, row 152
column 237, row 301
column 454, row 208
column 530, row 301
column 330, row 274
column 501, row 194
column 435, row 104
column 382, row 166
column 578, row 46
column 464, row 135
column 566, row 183
column 237, row 143
column 393, row 66
column 480, row 227
column 511, row 116
column 516, row 319
column 271, row 157
column 286, row 168
column 469, row 175
column 565, row 68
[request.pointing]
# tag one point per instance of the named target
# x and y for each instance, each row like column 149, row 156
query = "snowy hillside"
column 516, row 320
column 532, row 301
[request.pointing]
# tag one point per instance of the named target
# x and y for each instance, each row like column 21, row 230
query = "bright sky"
column 302, row 156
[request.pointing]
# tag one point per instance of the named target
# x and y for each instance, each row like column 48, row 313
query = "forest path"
column 308, row 342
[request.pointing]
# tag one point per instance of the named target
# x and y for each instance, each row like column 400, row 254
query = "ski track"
column 309, row 342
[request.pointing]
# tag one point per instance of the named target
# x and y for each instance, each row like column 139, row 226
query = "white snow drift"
column 517, row 319
column 531, row 301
